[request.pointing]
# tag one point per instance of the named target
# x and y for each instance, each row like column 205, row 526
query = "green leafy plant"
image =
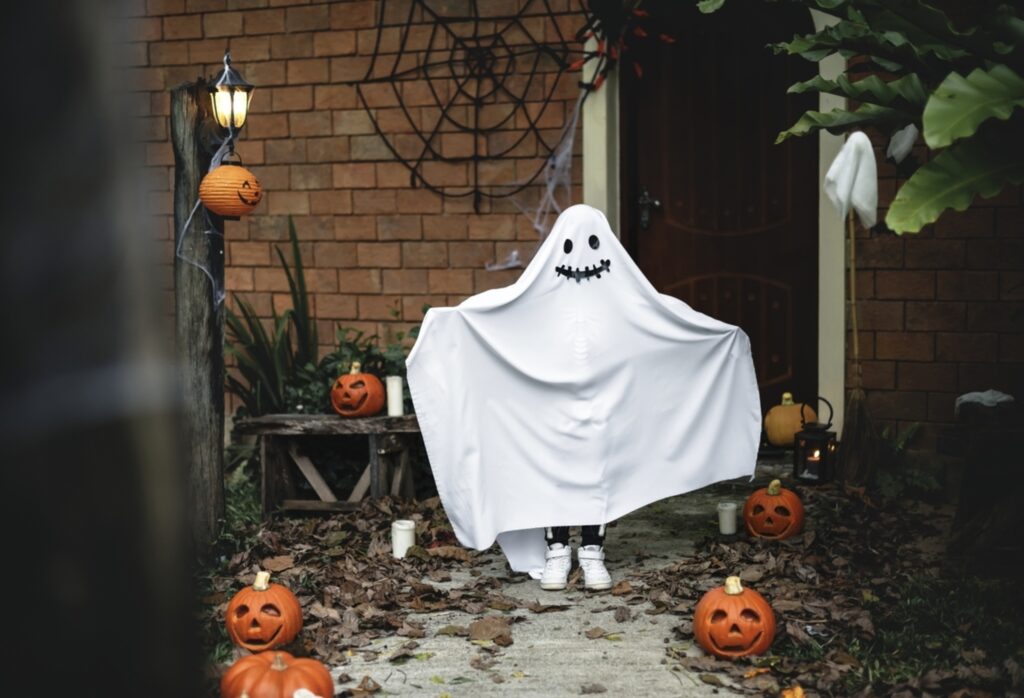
column 909, row 64
column 271, row 362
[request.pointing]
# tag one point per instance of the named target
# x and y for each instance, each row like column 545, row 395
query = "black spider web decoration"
column 472, row 87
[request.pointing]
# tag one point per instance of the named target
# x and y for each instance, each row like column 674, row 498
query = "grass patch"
column 943, row 624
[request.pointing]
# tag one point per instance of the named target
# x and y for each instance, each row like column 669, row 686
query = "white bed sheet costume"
column 577, row 395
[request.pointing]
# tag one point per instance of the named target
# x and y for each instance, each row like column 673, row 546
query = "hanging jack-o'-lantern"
column 357, row 394
column 230, row 191
column 276, row 675
column 264, row 615
column 731, row 621
column 774, row 512
column 783, row 421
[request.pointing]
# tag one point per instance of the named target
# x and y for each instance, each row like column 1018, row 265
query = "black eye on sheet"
column 594, row 242
column 567, row 246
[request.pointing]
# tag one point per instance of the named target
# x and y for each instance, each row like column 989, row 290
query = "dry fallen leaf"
column 450, row 552
column 595, row 632
column 622, row 588
column 592, row 688
column 279, row 563
column 493, row 628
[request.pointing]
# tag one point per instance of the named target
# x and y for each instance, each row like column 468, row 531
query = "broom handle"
column 853, row 293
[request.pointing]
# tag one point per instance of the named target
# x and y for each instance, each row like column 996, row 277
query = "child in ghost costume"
column 574, row 396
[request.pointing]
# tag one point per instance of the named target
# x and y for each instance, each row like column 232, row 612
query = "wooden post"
column 199, row 325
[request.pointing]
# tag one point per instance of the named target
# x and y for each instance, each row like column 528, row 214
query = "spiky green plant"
column 269, row 361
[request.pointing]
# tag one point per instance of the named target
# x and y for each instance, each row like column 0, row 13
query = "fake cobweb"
column 467, row 96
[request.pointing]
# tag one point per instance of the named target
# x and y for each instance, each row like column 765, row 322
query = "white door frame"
column 601, row 189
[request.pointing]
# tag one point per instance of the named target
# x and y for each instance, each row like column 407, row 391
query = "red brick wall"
column 942, row 311
column 376, row 249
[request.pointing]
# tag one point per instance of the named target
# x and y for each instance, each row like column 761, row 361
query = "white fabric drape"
column 573, row 397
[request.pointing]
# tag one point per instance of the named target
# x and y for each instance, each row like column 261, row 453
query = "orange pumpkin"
column 230, row 191
column 357, row 394
column 275, row 675
column 731, row 621
column 774, row 512
column 783, row 421
column 264, row 615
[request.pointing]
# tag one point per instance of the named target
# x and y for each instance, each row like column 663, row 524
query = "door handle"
column 646, row 203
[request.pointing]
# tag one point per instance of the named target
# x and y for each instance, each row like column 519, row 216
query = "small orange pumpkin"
column 230, row 191
column 275, row 675
column 357, row 394
column 731, row 621
column 774, row 512
column 264, row 615
column 783, row 421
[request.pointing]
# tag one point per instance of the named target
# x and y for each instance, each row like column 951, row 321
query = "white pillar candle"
column 395, row 398
column 727, row 518
column 403, row 536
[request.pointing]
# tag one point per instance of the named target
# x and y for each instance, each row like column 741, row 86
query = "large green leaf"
column 709, row 6
column 980, row 165
column 841, row 120
column 961, row 104
column 906, row 91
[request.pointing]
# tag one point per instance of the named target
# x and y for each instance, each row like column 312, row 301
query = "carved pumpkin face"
column 731, row 621
column 357, row 394
column 230, row 191
column 774, row 512
column 264, row 615
column 276, row 675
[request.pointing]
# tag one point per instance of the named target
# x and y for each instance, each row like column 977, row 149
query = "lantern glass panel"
column 231, row 106
column 814, row 456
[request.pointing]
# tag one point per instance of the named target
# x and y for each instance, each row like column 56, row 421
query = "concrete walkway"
column 551, row 655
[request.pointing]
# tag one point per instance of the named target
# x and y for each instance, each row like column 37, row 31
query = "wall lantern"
column 815, row 450
column 230, row 94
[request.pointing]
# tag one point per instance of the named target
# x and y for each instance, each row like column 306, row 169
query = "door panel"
column 736, row 233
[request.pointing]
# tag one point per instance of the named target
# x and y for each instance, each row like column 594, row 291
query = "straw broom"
column 858, row 452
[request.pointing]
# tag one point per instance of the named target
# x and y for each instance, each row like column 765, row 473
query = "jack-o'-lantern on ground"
column 773, row 512
column 264, row 615
column 731, row 621
column 275, row 675
column 357, row 394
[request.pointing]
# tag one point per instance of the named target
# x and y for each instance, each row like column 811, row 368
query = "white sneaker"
column 595, row 576
column 558, row 560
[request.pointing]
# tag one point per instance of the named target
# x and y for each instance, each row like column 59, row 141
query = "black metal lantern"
column 815, row 450
column 230, row 94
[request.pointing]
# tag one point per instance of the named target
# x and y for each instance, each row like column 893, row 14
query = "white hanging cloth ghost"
column 852, row 180
column 576, row 395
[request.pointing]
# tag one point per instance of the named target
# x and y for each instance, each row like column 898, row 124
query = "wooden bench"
column 389, row 437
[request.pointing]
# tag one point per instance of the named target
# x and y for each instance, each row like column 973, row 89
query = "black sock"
column 557, row 534
column 592, row 535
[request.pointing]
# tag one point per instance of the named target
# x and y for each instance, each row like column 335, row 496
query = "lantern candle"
column 815, row 452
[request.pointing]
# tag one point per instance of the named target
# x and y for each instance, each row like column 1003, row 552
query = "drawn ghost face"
column 582, row 270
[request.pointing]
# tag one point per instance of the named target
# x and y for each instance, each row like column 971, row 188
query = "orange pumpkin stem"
column 787, row 399
column 262, row 582
column 733, row 586
column 278, row 663
column 775, row 487
column 356, row 368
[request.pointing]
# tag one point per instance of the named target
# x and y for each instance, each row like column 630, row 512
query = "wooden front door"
column 736, row 233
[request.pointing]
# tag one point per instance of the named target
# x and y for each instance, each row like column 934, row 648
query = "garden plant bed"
column 863, row 600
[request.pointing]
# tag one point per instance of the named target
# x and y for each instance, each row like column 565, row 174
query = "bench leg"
column 273, row 462
column 376, row 476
